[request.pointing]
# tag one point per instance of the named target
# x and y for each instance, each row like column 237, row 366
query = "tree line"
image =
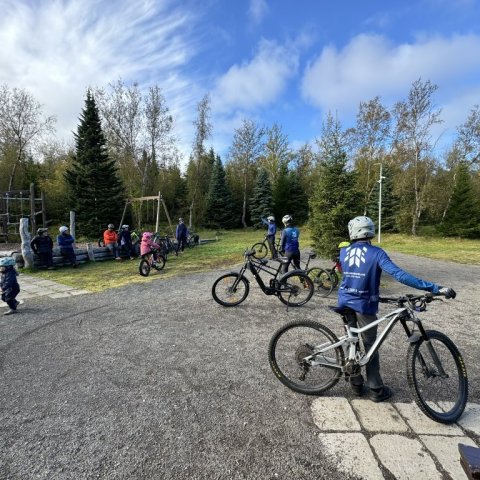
column 125, row 147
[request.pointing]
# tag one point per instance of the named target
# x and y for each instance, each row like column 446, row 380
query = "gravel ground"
column 158, row 381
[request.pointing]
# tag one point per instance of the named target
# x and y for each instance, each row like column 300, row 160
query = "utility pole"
column 380, row 203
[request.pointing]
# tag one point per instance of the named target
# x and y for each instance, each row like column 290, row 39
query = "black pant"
column 293, row 257
column 181, row 243
column 271, row 244
column 46, row 259
column 10, row 297
column 69, row 254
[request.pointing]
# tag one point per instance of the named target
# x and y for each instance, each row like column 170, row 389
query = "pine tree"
column 281, row 194
column 261, row 204
column 462, row 217
column 219, row 199
column 298, row 199
column 334, row 202
column 94, row 189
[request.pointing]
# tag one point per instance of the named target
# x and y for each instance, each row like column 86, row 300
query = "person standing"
column 65, row 241
column 9, row 284
column 362, row 265
column 110, row 238
column 181, row 234
column 289, row 245
column 271, row 232
column 42, row 245
column 125, row 241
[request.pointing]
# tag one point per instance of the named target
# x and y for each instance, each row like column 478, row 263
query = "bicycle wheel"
column 261, row 250
column 334, row 277
column 295, row 289
column 159, row 263
column 144, row 267
column 295, row 356
column 322, row 281
column 101, row 242
column 441, row 395
column 230, row 289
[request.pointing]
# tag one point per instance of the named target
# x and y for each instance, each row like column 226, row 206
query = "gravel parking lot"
column 158, row 381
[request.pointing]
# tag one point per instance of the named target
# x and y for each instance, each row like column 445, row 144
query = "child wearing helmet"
column 289, row 246
column 362, row 265
column 125, row 241
column 9, row 284
column 42, row 246
column 271, row 232
column 110, row 239
column 65, row 241
column 147, row 245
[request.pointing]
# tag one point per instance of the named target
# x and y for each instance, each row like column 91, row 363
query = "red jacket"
column 110, row 236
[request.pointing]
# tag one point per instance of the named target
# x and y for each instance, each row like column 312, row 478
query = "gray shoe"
column 9, row 312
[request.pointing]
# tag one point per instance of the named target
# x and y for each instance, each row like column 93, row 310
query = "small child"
column 147, row 245
column 9, row 284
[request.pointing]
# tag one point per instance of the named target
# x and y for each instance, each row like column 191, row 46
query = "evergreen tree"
column 282, row 195
column 298, row 199
column 462, row 217
column 219, row 199
column 94, row 189
column 334, row 202
column 261, row 204
column 390, row 201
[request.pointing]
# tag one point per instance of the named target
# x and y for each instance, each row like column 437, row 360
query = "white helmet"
column 360, row 228
column 111, row 226
column 124, row 226
column 287, row 219
column 63, row 229
column 7, row 262
column 271, row 218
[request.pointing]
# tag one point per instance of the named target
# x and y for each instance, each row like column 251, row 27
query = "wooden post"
column 26, row 239
column 72, row 225
column 32, row 207
column 123, row 215
column 44, row 210
column 91, row 255
column 158, row 212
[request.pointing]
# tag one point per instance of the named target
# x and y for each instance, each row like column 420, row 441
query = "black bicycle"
column 294, row 288
column 320, row 277
column 261, row 249
column 151, row 260
column 307, row 357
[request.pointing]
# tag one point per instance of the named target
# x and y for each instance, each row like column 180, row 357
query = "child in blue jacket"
column 9, row 284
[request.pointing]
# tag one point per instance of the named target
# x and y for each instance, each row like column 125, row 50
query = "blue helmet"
column 7, row 262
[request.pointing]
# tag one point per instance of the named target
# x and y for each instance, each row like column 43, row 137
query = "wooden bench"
column 470, row 460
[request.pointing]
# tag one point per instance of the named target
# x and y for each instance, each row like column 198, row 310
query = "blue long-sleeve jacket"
column 65, row 241
column 362, row 266
column 181, row 231
column 8, row 281
column 272, row 227
column 289, row 240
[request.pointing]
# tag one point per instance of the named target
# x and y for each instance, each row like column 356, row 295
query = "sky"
column 271, row 61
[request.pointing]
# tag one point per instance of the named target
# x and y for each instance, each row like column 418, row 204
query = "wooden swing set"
column 156, row 199
column 18, row 204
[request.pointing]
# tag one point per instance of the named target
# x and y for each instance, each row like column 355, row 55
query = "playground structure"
column 18, row 204
column 156, row 199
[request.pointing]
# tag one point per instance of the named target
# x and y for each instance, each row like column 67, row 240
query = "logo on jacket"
column 355, row 256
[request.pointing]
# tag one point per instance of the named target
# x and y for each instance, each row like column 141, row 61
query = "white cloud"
column 370, row 65
column 256, row 83
column 258, row 10
column 56, row 49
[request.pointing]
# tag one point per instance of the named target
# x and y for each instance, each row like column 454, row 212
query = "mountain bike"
column 148, row 262
column 307, row 357
column 320, row 277
column 261, row 249
column 294, row 288
column 166, row 243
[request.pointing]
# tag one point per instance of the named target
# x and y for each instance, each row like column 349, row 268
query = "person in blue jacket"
column 42, row 245
column 271, row 232
column 9, row 284
column 181, row 234
column 289, row 246
column 65, row 242
column 362, row 265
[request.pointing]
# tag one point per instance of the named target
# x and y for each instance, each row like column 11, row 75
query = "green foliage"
column 462, row 218
column 334, row 202
column 94, row 190
column 261, row 203
column 219, row 199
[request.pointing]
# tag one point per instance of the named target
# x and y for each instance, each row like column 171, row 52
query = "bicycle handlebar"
column 417, row 302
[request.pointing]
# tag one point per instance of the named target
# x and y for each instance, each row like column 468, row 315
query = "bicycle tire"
column 101, row 242
column 432, row 393
column 334, row 277
column 288, row 353
column 222, row 290
column 159, row 263
column 260, row 249
column 322, row 281
column 295, row 289
column 144, row 267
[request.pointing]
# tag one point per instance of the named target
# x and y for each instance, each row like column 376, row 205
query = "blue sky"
column 282, row 61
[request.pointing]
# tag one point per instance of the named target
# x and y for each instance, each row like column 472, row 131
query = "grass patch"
column 228, row 251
